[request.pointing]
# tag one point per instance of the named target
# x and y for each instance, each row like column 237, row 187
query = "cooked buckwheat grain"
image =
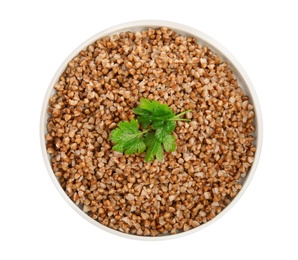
column 215, row 150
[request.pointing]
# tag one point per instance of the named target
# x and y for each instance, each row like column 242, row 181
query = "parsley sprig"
column 157, row 121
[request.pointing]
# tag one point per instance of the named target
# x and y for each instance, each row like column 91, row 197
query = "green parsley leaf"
column 136, row 145
column 156, row 108
column 167, row 125
column 152, row 111
column 144, row 118
column 149, row 138
column 154, row 150
column 160, row 134
column 169, row 143
column 128, row 138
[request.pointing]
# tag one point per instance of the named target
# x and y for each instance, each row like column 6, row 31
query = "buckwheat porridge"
column 190, row 186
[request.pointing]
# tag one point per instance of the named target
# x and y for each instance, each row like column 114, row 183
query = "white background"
column 36, row 36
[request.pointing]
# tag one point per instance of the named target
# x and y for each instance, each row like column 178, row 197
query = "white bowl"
column 244, row 83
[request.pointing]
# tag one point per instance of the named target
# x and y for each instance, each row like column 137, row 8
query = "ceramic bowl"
column 244, row 83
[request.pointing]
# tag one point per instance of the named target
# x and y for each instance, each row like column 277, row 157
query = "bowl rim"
column 204, row 40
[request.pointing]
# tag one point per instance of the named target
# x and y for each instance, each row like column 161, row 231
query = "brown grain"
column 99, row 88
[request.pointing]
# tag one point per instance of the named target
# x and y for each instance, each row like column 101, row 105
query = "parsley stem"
column 143, row 132
column 177, row 117
column 183, row 113
column 180, row 119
